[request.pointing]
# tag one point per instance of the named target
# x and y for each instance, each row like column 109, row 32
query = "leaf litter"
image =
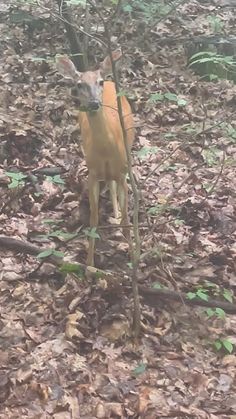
column 66, row 347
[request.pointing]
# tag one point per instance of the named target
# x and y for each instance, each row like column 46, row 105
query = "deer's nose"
column 94, row 105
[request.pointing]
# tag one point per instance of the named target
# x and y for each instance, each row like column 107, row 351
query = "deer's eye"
column 101, row 82
column 79, row 84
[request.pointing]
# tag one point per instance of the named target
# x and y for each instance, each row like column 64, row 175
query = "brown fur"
column 103, row 138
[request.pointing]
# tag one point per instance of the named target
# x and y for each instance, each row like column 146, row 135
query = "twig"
column 209, row 192
column 116, row 12
column 56, row 16
column 136, row 251
column 78, row 52
column 86, row 38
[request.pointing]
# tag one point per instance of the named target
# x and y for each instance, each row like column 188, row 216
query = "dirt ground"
column 66, row 343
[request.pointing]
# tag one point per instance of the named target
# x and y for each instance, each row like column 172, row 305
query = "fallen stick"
column 151, row 296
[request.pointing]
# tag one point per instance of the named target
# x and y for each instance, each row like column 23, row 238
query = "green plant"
column 17, row 179
column 140, row 369
column 160, row 97
column 146, row 151
column 56, row 179
column 52, row 222
column 59, row 234
column 216, row 23
column 91, row 233
column 50, row 252
column 157, row 286
column 212, row 57
column 217, row 291
column 207, row 186
column 228, row 295
column 74, row 268
column 213, row 65
column 191, row 129
column 170, row 167
column 169, row 135
column 147, row 10
column 217, row 312
column 178, row 222
column 223, row 344
column 230, row 131
column 76, row 3
column 211, row 156
column 155, row 210
column 201, row 293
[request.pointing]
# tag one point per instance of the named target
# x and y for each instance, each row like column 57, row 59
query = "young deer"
column 102, row 137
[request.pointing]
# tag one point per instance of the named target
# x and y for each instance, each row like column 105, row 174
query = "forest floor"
column 66, row 346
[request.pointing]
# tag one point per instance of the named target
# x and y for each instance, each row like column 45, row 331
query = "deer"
column 102, row 138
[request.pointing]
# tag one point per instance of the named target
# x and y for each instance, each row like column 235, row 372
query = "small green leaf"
column 157, row 285
column 51, row 221
column 202, row 295
column 58, row 254
column 182, row 102
column 156, row 97
column 139, row 370
column 191, row 295
column 58, row 179
column 213, row 77
column 45, row 253
column 207, row 186
column 218, row 345
column 178, row 222
column 14, row 184
column 202, row 53
column 220, row 312
column 92, row 233
column 155, row 210
column 72, row 268
column 169, row 135
column 172, row 168
column 228, row 295
column 50, row 252
column 77, row 2
column 210, row 312
column 228, row 345
column 127, row 8
column 145, row 151
column 16, row 175
column 171, row 96
column 55, row 179
column 62, row 234
column 17, row 179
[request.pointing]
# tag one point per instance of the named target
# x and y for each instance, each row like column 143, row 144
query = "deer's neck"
column 99, row 127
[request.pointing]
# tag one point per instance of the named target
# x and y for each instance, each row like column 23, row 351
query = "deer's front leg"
column 94, row 188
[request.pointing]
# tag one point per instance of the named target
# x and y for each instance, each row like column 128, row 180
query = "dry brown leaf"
column 71, row 330
column 116, row 330
column 24, row 373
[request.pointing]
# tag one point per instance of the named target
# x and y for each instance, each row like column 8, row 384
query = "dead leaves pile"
column 66, row 347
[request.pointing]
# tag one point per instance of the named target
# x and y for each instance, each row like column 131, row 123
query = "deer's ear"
column 66, row 68
column 106, row 67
